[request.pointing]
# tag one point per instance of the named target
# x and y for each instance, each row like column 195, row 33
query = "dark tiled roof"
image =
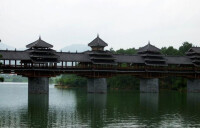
column 14, row 55
column 155, row 59
column 101, row 57
column 101, row 53
column 78, row 57
column 97, row 42
column 39, row 44
column 40, row 51
column 148, row 48
column 194, row 54
column 44, row 56
column 83, row 57
column 195, row 49
column 128, row 58
column 178, row 60
column 152, row 55
column 155, row 64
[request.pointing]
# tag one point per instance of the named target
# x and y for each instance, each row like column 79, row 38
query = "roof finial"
column 149, row 42
column 97, row 34
column 39, row 37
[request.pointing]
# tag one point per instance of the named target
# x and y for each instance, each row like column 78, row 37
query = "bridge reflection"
column 76, row 108
column 38, row 108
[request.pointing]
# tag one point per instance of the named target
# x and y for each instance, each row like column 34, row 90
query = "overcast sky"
column 120, row 23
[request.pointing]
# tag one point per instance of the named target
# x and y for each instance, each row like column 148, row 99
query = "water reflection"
column 97, row 104
column 91, row 109
column 38, row 106
column 62, row 108
column 193, row 101
column 97, row 101
column 76, row 108
column 192, row 110
column 149, row 102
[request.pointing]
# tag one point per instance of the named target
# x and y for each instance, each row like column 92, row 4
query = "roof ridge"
column 39, row 43
column 97, row 42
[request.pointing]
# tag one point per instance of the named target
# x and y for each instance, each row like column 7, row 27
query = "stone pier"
column 149, row 85
column 38, row 85
column 96, row 85
column 193, row 85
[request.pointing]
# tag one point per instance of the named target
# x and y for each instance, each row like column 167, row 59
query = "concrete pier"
column 38, row 85
column 149, row 85
column 97, row 85
column 193, row 85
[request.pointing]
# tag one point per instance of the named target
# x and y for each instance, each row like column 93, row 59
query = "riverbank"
column 119, row 89
column 66, row 86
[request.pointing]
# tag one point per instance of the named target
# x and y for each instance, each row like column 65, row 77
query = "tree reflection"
column 149, row 102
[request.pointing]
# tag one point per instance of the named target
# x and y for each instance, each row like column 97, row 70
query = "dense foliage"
column 13, row 78
column 130, row 82
column 71, row 80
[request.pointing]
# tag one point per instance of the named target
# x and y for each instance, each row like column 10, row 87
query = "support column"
column 38, row 85
column 193, row 85
column 97, row 85
column 149, row 85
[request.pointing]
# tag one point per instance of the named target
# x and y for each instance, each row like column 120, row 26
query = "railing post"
column 15, row 63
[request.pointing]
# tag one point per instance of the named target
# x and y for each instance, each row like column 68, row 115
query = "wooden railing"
column 130, row 68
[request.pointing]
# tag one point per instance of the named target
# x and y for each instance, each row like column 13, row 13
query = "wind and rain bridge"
column 39, row 62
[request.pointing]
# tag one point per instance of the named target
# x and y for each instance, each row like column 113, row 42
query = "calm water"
column 76, row 108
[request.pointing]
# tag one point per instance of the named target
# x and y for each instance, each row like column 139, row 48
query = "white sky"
column 120, row 23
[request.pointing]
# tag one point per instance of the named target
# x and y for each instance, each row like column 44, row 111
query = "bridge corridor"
column 40, row 62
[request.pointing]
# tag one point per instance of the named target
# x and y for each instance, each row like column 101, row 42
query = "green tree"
column 184, row 48
column 169, row 51
column 127, row 51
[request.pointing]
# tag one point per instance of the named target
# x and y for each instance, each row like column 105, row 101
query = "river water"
column 76, row 108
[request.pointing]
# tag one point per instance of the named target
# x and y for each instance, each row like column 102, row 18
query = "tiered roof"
column 152, row 55
column 41, row 52
column 194, row 54
column 101, row 57
column 39, row 44
column 148, row 49
column 98, row 55
column 97, row 42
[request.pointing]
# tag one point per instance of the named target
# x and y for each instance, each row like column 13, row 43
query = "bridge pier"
column 193, row 85
column 96, row 85
column 149, row 85
column 38, row 85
